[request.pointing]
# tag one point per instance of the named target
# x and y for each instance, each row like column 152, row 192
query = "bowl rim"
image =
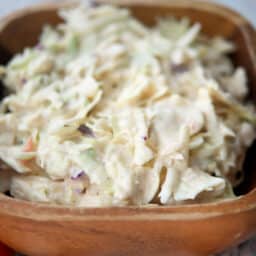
column 40, row 211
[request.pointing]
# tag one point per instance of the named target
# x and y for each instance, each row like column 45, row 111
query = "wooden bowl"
column 38, row 229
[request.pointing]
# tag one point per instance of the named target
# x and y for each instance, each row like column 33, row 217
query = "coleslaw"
column 105, row 111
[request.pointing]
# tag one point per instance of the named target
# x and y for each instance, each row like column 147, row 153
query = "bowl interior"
column 23, row 29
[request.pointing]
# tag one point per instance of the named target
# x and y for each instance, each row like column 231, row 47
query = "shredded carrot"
column 26, row 162
column 29, row 146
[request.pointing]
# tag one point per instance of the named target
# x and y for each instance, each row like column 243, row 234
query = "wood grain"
column 43, row 230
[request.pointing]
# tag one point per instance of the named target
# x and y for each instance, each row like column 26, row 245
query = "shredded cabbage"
column 106, row 111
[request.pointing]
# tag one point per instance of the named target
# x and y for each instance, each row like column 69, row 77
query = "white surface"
column 245, row 7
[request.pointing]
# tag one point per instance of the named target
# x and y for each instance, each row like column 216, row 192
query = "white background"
column 246, row 7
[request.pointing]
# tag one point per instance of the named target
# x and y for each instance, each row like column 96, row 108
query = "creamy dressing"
column 105, row 111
